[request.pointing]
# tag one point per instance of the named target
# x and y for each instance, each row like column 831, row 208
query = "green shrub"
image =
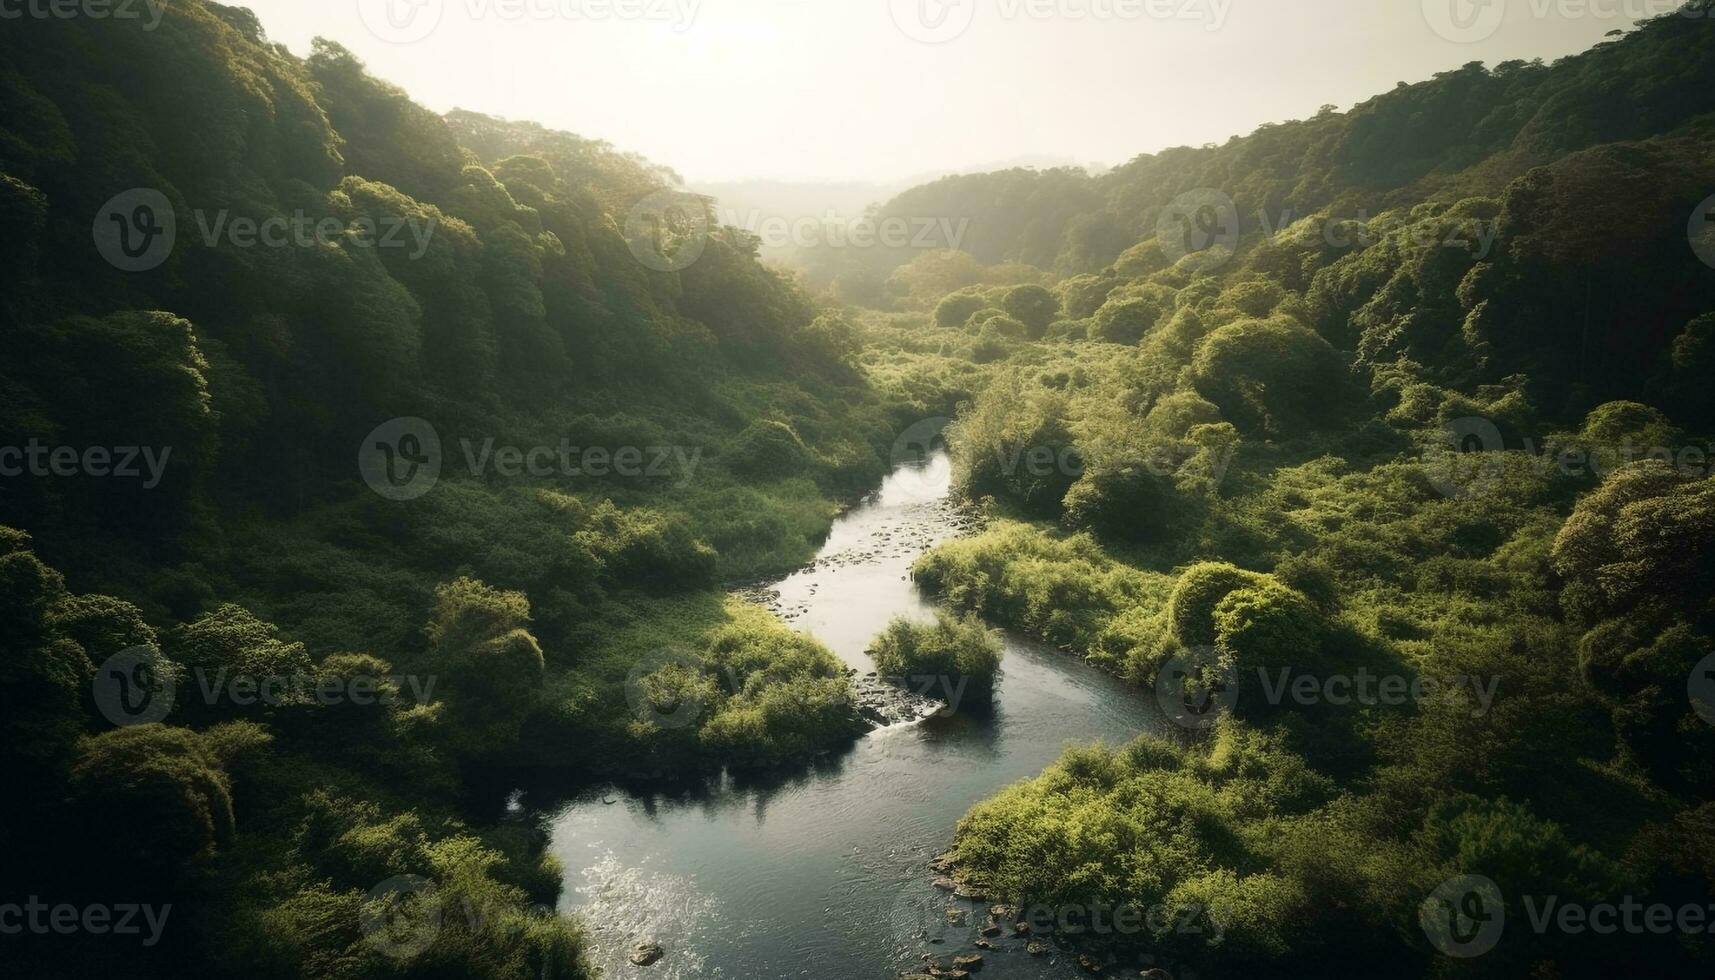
column 1082, row 296
column 1068, row 330
column 175, row 797
column 1126, row 321
column 974, row 322
column 1269, row 376
column 490, row 665
column 1198, row 593
column 960, row 653
column 1031, row 305
column 954, row 310
column 766, row 448
column 1015, row 444
column 1228, row 837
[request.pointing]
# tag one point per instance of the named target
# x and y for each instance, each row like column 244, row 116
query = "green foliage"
column 956, row 308
column 1639, row 569
column 787, row 696
column 1374, row 570
column 646, row 546
column 346, row 853
column 231, row 638
column 831, row 341
column 1072, row 330
column 1639, row 540
column 172, row 790
column 950, row 650
column 932, row 274
column 43, row 675
column 102, row 624
column 1031, row 305
column 1126, row 321
column 1223, row 837
column 1124, row 501
column 129, row 378
column 1505, row 242
column 1198, row 594
column 1064, row 590
column 1255, row 299
column 697, row 683
column 977, row 320
column 1268, row 376
column 491, row 665
column 1004, row 328
column 1015, row 443
column 1692, row 359
column 1082, row 296
column 769, row 448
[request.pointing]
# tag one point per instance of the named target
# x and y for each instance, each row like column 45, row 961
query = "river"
column 825, row 873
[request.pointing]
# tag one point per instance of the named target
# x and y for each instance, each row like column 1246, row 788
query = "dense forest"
column 1418, row 390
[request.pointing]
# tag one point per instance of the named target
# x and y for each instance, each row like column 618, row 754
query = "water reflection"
column 824, row 870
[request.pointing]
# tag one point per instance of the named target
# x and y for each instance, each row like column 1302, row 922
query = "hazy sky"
column 854, row 89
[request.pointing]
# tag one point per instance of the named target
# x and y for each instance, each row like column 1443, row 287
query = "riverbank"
column 826, row 867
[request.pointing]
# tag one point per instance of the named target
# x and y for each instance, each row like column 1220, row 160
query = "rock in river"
column 646, row 953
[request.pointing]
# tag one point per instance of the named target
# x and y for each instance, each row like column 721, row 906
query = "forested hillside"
column 342, row 258
column 1615, row 145
column 441, row 415
column 1416, row 392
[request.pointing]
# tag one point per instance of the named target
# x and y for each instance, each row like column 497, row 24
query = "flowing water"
column 825, row 873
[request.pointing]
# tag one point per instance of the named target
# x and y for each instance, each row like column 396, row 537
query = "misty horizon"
column 707, row 88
